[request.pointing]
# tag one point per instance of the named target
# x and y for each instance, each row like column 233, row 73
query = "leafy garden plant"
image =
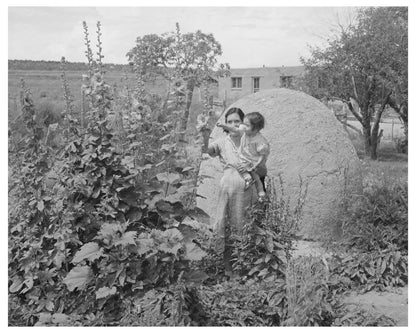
column 115, row 223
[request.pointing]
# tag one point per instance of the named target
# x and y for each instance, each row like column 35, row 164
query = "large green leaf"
column 194, row 252
column 170, row 248
column 59, row 259
column 127, row 238
column 169, row 240
column 29, row 284
column 194, row 224
column 108, row 230
column 90, row 251
column 61, row 319
column 58, row 319
column 188, row 233
column 134, row 214
column 104, row 292
column 129, row 196
column 40, row 205
column 172, row 234
column 78, row 277
column 269, row 243
column 144, row 245
column 197, row 213
column 164, row 206
column 152, row 201
column 168, row 177
column 191, row 222
column 16, row 285
column 196, row 276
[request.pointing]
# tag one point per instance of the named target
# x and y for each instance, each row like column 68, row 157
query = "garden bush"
column 378, row 219
column 373, row 252
column 266, row 243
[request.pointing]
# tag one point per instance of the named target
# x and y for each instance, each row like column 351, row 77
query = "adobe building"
column 245, row 81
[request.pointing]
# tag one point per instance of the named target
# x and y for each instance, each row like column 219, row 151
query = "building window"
column 286, row 81
column 236, row 82
column 256, row 84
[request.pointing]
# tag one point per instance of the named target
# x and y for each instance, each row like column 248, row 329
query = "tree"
column 184, row 59
column 398, row 77
column 366, row 68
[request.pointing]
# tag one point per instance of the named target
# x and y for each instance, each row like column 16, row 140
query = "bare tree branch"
column 350, row 107
column 339, row 99
column 355, row 113
column 396, row 107
column 379, row 112
column 354, row 88
column 353, row 127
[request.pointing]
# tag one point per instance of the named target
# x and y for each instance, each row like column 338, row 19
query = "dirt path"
column 393, row 303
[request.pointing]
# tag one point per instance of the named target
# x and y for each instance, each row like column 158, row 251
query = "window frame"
column 286, row 81
column 238, row 79
column 254, row 80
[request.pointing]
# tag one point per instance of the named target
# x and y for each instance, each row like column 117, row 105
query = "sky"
column 250, row 36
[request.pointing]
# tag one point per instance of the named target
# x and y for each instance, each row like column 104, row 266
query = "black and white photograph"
column 216, row 165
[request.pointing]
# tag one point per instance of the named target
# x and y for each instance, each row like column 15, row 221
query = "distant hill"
column 44, row 65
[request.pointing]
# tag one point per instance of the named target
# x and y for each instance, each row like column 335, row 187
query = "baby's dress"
column 251, row 148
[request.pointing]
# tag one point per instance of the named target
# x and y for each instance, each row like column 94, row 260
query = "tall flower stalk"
column 100, row 49
column 88, row 52
column 68, row 113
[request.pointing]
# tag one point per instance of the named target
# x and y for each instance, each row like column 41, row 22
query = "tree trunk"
column 374, row 141
column 405, row 120
column 376, row 125
column 367, row 137
column 404, row 117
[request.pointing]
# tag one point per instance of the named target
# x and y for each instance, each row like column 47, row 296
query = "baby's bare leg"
column 259, row 185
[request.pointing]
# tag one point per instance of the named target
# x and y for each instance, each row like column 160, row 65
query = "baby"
column 254, row 150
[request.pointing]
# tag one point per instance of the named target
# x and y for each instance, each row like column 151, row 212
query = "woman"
column 233, row 199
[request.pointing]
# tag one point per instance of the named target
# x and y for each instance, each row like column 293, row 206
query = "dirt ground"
column 392, row 303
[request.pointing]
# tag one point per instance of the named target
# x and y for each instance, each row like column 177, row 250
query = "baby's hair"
column 256, row 120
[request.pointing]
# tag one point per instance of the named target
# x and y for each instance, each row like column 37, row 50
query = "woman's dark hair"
column 256, row 120
column 234, row 110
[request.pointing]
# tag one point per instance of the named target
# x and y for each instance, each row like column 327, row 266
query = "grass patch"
column 387, row 151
